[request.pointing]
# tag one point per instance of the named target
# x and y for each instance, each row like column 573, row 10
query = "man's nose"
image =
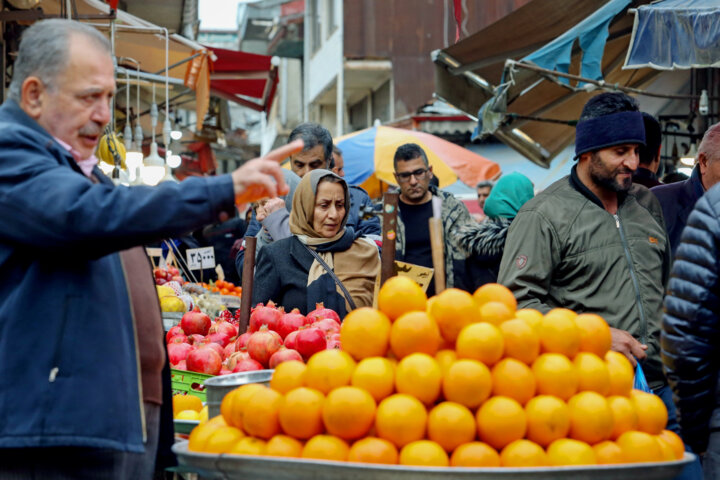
column 101, row 113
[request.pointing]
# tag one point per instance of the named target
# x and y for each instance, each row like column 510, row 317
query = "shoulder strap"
column 334, row 277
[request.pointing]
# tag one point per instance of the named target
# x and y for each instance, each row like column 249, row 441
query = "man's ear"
column 32, row 96
column 702, row 161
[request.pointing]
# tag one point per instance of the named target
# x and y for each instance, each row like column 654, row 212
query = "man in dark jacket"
column 646, row 173
column 80, row 325
column 691, row 331
column 678, row 199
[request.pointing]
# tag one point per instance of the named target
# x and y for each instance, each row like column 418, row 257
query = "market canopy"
column 676, row 34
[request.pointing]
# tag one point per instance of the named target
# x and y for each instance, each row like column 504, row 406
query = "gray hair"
column 44, row 51
column 485, row 183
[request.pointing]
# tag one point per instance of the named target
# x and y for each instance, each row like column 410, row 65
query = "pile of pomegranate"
column 199, row 344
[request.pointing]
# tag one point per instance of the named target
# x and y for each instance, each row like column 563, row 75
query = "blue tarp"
column 676, row 34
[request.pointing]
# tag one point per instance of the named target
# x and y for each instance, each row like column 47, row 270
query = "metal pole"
column 247, row 283
column 389, row 230
column 438, row 253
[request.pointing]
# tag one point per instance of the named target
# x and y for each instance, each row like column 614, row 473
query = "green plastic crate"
column 191, row 383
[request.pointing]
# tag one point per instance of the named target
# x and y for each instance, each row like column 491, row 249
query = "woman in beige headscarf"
column 290, row 272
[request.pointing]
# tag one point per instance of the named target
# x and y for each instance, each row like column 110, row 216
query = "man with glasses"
column 417, row 197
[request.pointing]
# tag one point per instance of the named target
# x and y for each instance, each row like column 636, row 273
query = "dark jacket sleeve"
column 691, row 331
column 370, row 226
column 53, row 208
column 266, row 284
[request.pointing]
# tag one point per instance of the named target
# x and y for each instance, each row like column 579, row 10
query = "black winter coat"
column 691, row 324
column 484, row 243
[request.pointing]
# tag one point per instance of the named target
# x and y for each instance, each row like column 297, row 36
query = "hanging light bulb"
column 168, row 175
column 153, row 169
column 127, row 132
column 173, row 160
column 138, row 128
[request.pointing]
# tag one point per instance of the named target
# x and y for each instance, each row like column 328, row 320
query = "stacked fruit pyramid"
column 461, row 380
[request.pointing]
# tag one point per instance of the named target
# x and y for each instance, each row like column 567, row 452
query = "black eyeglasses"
column 405, row 176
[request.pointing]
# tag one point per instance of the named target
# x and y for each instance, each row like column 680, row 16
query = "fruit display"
column 169, row 274
column 456, row 380
column 189, row 407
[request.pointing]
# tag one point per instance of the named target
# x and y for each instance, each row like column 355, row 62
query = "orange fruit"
column 300, row 414
column 419, row 375
column 373, row 450
column 591, row 419
column 450, row 425
column 624, row 416
column 467, row 382
column 523, row 453
column 200, row 434
column 530, row 316
column 329, row 369
column 559, row 333
column 501, row 421
column 521, row 340
column 475, row 454
column 233, row 403
column 249, row 446
column 326, row 447
column 186, row 402
column 260, row 414
column 445, row 359
column 608, row 453
column 376, row 375
column 400, row 295
column 288, row 376
column 481, row 341
column 548, row 419
column 365, row 332
column 424, row 453
column 567, row 451
column 283, row 446
column 512, row 378
column 348, row 412
column 223, row 440
column 496, row 313
column 401, row 419
column 667, row 452
column 621, row 372
column 494, row 292
column 675, row 443
column 555, row 375
column 651, row 412
column 639, row 447
column 453, row 309
column 595, row 334
column 592, row 373
column 413, row 332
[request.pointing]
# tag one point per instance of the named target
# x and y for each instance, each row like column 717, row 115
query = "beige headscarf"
column 356, row 266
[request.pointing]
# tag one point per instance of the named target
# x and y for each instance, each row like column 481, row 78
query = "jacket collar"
column 693, row 185
column 578, row 185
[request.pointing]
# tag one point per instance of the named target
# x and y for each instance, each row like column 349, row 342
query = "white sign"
column 200, row 258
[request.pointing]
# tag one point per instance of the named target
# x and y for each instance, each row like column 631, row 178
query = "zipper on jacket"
column 643, row 321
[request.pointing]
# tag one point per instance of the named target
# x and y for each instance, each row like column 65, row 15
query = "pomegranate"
column 195, row 322
column 176, row 330
column 225, row 315
column 290, row 322
column 236, row 357
column 310, row 340
column 327, row 325
column 180, row 338
column 321, row 312
column 333, row 344
column 178, row 352
column 221, row 339
column 242, row 341
column 225, row 371
column 263, row 344
column 228, row 350
column 214, row 346
column 290, row 339
column 196, row 339
column 204, row 360
column 264, row 315
column 224, row 327
column 284, row 355
column 181, row 365
column 247, row 365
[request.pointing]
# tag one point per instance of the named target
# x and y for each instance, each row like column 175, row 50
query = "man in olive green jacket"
column 594, row 242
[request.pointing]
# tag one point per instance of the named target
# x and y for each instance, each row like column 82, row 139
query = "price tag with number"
column 200, row 258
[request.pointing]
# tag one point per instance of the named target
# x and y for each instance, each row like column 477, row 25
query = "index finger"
column 281, row 153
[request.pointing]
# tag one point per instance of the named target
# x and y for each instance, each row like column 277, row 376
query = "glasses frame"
column 404, row 177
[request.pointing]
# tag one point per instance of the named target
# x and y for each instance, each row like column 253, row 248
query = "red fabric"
column 113, row 4
column 458, row 18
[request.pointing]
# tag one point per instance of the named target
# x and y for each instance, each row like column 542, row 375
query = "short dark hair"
column 608, row 103
column 409, row 151
column 653, row 137
column 313, row 134
column 336, row 150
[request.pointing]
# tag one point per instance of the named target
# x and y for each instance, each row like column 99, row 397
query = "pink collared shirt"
column 86, row 165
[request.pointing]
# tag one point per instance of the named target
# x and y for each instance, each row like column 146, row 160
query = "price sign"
column 200, row 258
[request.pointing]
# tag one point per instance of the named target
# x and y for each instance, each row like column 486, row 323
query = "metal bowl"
column 235, row 467
column 217, row 387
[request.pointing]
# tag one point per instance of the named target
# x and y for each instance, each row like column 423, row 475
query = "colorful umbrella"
column 368, row 156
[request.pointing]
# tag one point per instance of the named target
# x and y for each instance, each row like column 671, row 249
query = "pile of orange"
column 457, row 380
column 223, row 288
